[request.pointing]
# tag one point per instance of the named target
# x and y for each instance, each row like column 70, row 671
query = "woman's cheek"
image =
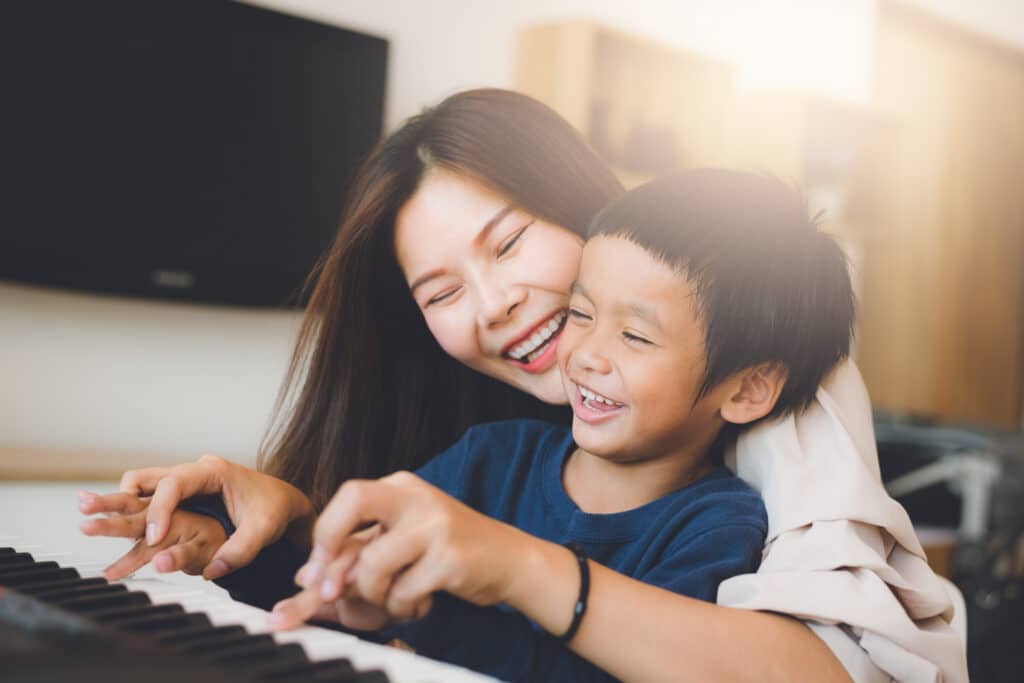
column 554, row 262
column 454, row 336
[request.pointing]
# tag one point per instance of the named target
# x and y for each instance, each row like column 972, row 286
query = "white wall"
column 92, row 372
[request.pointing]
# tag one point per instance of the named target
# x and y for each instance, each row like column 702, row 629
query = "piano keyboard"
column 39, row 526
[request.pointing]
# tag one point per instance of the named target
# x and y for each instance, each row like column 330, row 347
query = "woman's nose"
column 497, row 304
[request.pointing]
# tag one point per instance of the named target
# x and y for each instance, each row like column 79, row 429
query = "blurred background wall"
column 902, row 121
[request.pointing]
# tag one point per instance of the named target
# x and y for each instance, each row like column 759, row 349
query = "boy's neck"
column 602, row 486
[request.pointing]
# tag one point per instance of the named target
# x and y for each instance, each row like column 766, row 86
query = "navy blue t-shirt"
column 688, row 542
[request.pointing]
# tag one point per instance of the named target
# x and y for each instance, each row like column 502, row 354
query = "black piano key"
column 119, row 614
column 371, row 676
column 7, row 551
column 222, row 645
column 31, row 576
column 261, row 659
column 164, row 622
column 87, row 604
column 6, row 571
column 88, row 590
column 39, row 589
column 327, row 669
column 185, row 638
column 15, row 558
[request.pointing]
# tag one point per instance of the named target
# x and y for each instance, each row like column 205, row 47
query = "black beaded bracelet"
column 581, row 599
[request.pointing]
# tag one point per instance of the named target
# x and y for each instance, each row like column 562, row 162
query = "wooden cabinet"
column 647, row 108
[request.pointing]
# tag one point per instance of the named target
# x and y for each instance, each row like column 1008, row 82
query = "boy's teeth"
column 597, row 398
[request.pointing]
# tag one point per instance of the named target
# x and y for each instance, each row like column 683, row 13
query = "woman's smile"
column 535, row 350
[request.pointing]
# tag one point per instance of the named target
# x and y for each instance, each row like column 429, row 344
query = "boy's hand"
column 428, row 542
column 189, row 544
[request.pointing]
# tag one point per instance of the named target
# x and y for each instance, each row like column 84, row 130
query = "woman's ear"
column 758, row 391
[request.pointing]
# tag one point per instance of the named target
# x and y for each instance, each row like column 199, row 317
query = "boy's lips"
column 587, row 406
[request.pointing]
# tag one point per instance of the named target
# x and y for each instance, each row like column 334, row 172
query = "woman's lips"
column 543, row 362
column 540, row 362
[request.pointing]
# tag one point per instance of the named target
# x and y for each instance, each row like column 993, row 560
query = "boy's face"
column 632, row 356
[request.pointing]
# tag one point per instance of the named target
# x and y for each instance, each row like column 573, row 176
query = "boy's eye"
column 441, row 297
column 634, row 338
column 511, row 241
column 578, row 314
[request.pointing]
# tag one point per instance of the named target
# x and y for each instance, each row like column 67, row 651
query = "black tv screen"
column 185, row 149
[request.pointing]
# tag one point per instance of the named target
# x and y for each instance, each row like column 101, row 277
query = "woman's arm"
column 640, row 632
column 631, row 629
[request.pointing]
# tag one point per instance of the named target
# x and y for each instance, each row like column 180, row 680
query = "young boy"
column 704, row 302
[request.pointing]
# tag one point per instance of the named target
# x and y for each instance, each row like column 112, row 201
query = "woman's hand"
column 349, row 609
column 262, row 508
column 428, row 541
column 189, row 544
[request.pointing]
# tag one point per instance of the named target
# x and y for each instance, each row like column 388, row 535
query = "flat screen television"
column 183, row 149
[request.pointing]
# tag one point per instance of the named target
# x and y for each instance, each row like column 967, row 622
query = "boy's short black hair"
column 769, row 285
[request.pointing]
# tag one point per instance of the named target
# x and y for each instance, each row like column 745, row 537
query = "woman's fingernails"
column 302, row 578
column 277, row 620
column 312, row 573
column 217, row 569
column 319, row 554
column 163, row 563
column 152, row 531
column 86, row 527
column 328, row 590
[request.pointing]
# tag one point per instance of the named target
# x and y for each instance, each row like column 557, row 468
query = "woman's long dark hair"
column 369, row 391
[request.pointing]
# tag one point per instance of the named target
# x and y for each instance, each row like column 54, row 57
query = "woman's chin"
column 547, row 387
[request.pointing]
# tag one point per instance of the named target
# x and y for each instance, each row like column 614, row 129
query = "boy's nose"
column 588, row 358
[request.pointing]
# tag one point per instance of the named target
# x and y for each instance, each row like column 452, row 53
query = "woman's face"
column 491, row 279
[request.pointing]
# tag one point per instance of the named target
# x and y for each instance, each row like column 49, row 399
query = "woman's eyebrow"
column 425, row 278
column 492, row 224
column 479, row 239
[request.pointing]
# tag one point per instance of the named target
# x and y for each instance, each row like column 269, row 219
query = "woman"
column 507, row 185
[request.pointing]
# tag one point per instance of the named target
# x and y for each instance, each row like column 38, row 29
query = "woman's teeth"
column 535, row 345
column 594, row 397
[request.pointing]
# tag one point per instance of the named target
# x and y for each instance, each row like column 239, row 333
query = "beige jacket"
column 841, row 554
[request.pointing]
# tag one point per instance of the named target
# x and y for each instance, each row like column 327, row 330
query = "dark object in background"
column 987, row 567
column 990, row 573
column 183, row 149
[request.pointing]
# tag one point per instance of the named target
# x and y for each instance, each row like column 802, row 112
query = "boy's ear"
column 756, row 394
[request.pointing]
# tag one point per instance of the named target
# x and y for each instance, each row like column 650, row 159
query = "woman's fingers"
column 411, row 595
column 360, row 502
column 381, row 561
column 296, row 610
column 333, row 580
column 179, row 483
column 241, row 548
column 142, row 482
column 120, row 526
column 112, row 503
